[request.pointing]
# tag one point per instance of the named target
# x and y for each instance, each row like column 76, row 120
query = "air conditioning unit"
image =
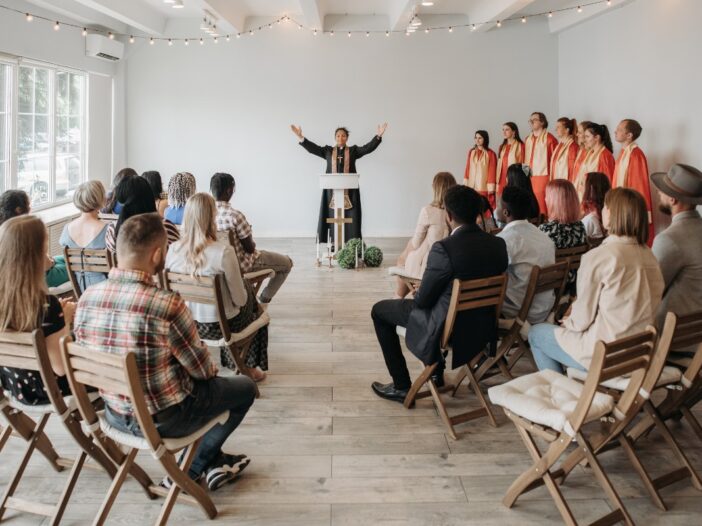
column 102, row 47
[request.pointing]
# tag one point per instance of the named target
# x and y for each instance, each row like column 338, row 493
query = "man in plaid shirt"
column 128, row 313
column 222, row 187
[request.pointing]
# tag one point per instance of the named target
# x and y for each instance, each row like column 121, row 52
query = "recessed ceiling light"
column 178, row 4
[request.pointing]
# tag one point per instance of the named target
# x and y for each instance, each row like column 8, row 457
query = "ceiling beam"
column 312, row 13
column 494, row 10
column 82, row 14
column 401, row 12
column 562, row 21
column 232, row 18
column 134, row 13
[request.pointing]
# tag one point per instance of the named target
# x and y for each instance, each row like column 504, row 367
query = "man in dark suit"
column 468, row 253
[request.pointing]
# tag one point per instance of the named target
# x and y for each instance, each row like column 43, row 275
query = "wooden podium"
column 339, row 183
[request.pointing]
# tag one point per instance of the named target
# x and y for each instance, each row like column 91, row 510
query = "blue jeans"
column 208, row 399
column 548, row 354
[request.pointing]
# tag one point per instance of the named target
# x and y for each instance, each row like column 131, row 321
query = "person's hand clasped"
column 69, row 310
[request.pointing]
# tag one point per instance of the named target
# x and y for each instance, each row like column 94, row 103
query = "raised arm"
column 308, row 145
column 374, row 142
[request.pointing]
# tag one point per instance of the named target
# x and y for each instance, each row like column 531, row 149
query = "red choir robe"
column 577, row 166
column 538, row 152
column 631, row 171
column 598, row 160
column 563, row 160
column 509, row 155
column 481, row 173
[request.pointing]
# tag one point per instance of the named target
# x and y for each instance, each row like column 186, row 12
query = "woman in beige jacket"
column 619, row 288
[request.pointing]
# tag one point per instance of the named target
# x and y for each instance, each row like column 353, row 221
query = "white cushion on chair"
column 172, row 444
column 669, row 375
column 43, row 409
column 260, row 322
column 547, row 398
column 401, row 331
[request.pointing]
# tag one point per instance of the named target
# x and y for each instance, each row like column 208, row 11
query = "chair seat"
column 172, row 444
column 669, row 375
column 45, row 409
column 401, row 331
column 547, row 398
column 64, row 288
column 263, row 320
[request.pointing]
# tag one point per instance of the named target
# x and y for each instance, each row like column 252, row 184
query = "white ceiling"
column 153, row 16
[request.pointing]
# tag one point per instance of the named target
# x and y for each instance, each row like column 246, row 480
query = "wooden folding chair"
column 119, row 375
column 81, row 260
column 683, row 390
column 107, row 218
column 26, row 350
column 573, row 255
column 594, row 242
column 556, row 408
column 208, row 290
column 465, row 295
column 257, row 277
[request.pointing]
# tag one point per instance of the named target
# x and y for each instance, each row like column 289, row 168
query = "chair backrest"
column 594, row 242
column 572, row 255
column 107, row 218
column 202, row 289
column 630, row 356
column 80, row 260
column 113, row 373
column 687, row 334
column 544, row 279
column 27, row 350
column 474, row 294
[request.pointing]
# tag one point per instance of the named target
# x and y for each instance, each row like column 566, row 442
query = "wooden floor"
column 326, row 451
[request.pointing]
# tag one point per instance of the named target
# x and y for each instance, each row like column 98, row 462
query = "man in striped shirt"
column 128, row 313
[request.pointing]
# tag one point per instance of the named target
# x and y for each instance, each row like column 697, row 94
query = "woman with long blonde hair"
column 26, row 305
column 432, row 226
column 199, row 253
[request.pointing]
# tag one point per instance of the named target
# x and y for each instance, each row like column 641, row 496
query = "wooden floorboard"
column 326, row 451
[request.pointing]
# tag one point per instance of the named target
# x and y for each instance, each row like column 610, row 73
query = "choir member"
column 563, row 158
column 511, row 152
column 599, row 157
column 582, row 152
column 340, row 159
column 538, row 150
column 481, row 167
column 631, row 168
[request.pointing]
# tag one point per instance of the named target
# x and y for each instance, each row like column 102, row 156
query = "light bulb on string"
column 367, row 34
column 215, row 40
column 349, row 35
column 609, row 3
column 523, row 20
column 29, row 17
column 202, row 42
column 227, row 38
column 472, row 28
column 426, row 31
column 57, row 26
column 111, row 36
column 499, row 23
column 170, row 42
column 131, row 39
column 550, row 14
column 580, row 9
column 387, row 33
column 314, row 33
column 186, row 42
column 151, row 41
column 331, row 34
column 299, row 26
column 238, row 35
column 450, row 30
column 84, row 32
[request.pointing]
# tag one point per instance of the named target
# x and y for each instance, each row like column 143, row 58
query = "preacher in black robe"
column 341, row 160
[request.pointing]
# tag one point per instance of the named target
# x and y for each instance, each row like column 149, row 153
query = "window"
column 48, row 128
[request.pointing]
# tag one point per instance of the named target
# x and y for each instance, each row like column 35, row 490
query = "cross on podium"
column 339, row 221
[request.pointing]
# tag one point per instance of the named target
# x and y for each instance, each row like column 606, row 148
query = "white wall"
column 37, row 40
column 641, row 61
column 228, row 108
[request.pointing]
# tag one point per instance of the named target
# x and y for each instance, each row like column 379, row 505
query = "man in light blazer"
column 468, row 253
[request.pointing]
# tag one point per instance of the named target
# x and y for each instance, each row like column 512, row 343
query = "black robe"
column 351, row 230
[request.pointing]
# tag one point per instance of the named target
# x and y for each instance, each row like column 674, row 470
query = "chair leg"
column 88, row 446
column 441, row 408
column 638, row 466
column 26, row 428
column 694, row 423
column 418, row 384
column 181, row 479
column 68, row 488
column 4, row 436
column 37, row 433
column 481, row 397
column 605, row 483
column 116, row 485
column 458, row 380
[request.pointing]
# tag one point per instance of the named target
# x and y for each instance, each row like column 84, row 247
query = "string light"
column 314, row 33
column 215, row 40
column 238, row 35
column 367, row 34
column 131, row 39
column 202, row 42
column 57, row 26
column 426, row 30
column 580, row 9
column 349, row 34
column 523, row 20
column 111, row 36
column 151, row 41
column 609, row 3
column 387, row 33
column 250, row 32
column 187, row 42
column 332, row 33
column 84, row 32
column 29, row 17
column 499, row 23
column 450, row 30
column 472, row 28
column 550, row 14
column 170, row 42
column 227, row 38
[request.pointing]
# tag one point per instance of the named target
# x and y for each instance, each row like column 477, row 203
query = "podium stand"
column 338, row 183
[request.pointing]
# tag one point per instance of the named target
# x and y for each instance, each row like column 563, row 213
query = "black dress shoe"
column 438, row 378
column 389, row 392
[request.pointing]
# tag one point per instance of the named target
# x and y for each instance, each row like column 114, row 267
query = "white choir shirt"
column 527, row 246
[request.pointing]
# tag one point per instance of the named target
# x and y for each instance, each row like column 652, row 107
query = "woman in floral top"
column 563, row 226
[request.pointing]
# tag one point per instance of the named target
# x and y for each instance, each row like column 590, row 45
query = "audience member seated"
column 199, row 253
column 128, row 313
column 563, row 226
column 15, row 203
column 180, row 188
column 619, row 289
column 678, row 249
column 87, row 231
column 223, row 186
column 25, row 304
column 597, row 185
column 113, row 205
column 432, row 226
column 160, row 197
column 527, row 247
column 136, row 195
column 468, row 253
column 519, row 175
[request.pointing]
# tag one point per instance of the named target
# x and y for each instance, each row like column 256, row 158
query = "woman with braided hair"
column 181, row 187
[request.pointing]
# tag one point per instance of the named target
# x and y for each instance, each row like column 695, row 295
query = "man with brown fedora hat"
column 679, row 247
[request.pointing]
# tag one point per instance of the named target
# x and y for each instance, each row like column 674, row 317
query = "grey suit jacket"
column 678, row 250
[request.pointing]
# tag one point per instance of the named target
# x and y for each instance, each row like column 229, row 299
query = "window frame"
column 15, row 63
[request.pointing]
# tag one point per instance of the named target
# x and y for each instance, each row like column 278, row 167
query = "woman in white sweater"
column 620, row 286
column 200, row 254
